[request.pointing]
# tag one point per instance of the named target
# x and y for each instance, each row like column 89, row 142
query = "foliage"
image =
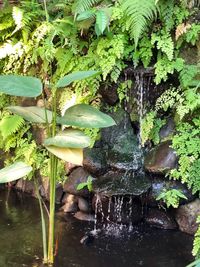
column 171, row 197
column 123, row 89
column 150, row 128
column 138, row 14
column 196, row 244
column 87, row 184
column 186, row 143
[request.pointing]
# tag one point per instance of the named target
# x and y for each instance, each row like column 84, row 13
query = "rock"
column 160, row 219
column 167, row 130
column 124, row 183
column 78, row 176
column 94, row 161
column 87, row 239
column 121, row 144
column 161, row 159
column 26, row 186
column 59, row 193
column 82, row 216
column 44, row 189
column 69, row 167
column 109, row 94
column 83, row 205
column 160, row 184
column 71, row 204
column 186, row 216
column 39, row 134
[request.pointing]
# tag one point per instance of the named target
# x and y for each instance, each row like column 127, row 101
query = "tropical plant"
column 67, row 145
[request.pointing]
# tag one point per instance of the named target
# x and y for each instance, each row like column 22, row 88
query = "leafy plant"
column 171, row 197
column 138, row 13
column 87, row 184
column 66, row 145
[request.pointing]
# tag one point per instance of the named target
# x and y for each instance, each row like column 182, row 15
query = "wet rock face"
column 118, row 148
column 160, row 184
column 160, row 219
column 26, row 186
column 161, row 159
column 95, row 161
column 124, row 183
column 186, row 216
column 167, row 130
column 77, row 176
column 109, row 95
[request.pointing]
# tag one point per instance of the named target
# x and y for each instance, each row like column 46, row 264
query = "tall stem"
column 53, row 173
column 46, row 12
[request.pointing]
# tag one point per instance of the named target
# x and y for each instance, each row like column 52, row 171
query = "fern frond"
column 10, row 124
column 17, row 14
column 138, row 13
column 83, row 5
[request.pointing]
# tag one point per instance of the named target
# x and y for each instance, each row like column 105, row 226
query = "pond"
column 20, row 244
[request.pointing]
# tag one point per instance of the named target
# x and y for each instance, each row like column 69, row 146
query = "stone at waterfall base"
column 160, row 219
column 82, row 216
column 186, row 216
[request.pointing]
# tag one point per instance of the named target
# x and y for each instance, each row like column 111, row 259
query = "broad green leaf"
column 72, row 155
column 101, row 20
column 75, row 76
column 81, row 186
column 14, row 172
column 70, row 138
column 82, row 115
column 32, row 114
column 20, row 85
column 85, row 15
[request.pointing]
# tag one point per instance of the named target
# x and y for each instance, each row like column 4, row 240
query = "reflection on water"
column 20, row 244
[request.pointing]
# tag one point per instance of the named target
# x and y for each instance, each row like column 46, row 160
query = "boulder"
column 109, row 94
column 167, row 130
column 26, row 186
column 82, row 216
column 70, row 203
column 186, row 216
column 83, row 204
column 94, row 161
column 77, row 176
column 160, row 219
column 121, row 183
column 159, row 184
column 161, row 159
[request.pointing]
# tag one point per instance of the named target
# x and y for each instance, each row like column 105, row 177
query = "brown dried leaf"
column 181, row 29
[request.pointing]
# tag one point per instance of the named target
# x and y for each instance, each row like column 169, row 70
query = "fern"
column 10, row 124
column 138, row 13
column 83, row 5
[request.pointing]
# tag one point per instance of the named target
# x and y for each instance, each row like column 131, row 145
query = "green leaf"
column 14, row 172
column 76, row 76
column 101, row 20
column 20, row 85
column 86, row 116
column 10, row 124
column 81, row 186
column 72, row 155
column 32, row 114
column 85, row 15
column 70, row 138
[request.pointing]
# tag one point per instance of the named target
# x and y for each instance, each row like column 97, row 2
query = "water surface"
column 20, row 244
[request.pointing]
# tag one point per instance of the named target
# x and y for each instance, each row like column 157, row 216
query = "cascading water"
column 117, row 218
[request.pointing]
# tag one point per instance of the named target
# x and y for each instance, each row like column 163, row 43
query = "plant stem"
column 44, row 237
column 46, row 12
column 53, row 173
